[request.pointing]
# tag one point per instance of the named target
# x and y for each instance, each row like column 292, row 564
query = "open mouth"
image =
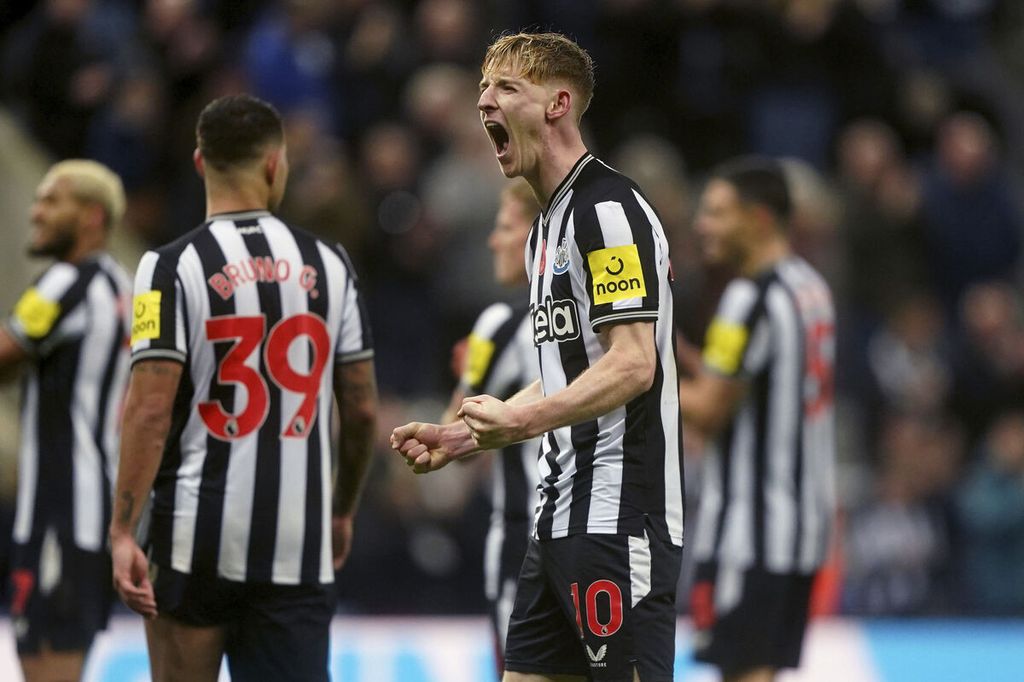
column 499, row 136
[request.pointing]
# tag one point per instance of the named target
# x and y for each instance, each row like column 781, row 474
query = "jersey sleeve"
column 44, row 315
column 484, row 347
column 158, row 313
column 617, row 259
column 355, row 340
column 735, row 344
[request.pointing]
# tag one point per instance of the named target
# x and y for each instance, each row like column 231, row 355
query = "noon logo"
column 617, row 274
column 146, row 316
column 555, row 321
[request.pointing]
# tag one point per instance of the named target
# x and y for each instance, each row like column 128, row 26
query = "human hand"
column 493, row 423
column 131, row 575
column 420, row 444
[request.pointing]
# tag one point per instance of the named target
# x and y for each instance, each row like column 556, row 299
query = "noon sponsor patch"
column 617, row 274
column 146, row 316
column 724, row 346
column 478, row 359
column 36, row 314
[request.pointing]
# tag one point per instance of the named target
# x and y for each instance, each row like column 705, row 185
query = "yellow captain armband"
column 724, row 346
column 146, row 316
column 616, row 273
column 36, row 314
column 478, row 359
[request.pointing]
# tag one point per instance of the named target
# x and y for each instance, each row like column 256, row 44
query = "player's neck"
column 555, row 163
column 765, row 256
column 236, row 198
column 83, row 250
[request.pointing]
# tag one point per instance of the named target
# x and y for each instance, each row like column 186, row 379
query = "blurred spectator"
column 973, row 228
column 991, row 508
column 62, row 71
column 898, row 542
column 289, row 58
column 989, row 362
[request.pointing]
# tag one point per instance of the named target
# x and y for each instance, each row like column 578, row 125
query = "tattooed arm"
column 144, row 427
column 356, row 390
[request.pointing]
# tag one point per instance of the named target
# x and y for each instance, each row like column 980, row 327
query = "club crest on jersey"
column 561, row 263
column 555, row 321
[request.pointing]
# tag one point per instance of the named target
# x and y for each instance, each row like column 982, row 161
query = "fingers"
column 139, row 598
column 403, row 433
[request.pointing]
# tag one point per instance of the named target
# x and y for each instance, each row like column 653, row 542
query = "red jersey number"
column 247, row 334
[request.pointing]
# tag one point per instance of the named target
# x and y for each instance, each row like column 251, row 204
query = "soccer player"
column 501, row 361
column 70, row 330
column 764, row 394
column 239, row 330
column 596, row 594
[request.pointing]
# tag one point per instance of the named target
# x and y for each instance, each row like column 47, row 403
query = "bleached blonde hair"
column 92, row 182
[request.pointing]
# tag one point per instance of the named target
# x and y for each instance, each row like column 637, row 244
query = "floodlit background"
column 902, row 122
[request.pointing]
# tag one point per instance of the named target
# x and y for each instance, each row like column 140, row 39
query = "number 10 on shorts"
column 594, row 624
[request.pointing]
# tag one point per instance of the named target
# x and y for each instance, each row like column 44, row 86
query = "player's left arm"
column 625, row 371
column 146, row 422
column 355, row 387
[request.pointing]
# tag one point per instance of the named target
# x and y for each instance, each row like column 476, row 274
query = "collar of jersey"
column 236, row 215
column 566, row 183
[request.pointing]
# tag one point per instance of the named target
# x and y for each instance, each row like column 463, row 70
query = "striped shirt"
column 259, row 313
column 501, row 361
column 598, row 256
column 73, row 324
column 768, row 493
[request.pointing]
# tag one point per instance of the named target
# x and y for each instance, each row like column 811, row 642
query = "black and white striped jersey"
column 598, row 256
column 259, row 313
column 73, row 323
column 768, row 493
column 501, row 360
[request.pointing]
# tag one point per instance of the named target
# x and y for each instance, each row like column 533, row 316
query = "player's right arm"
column 158, row 354
column 146, row 422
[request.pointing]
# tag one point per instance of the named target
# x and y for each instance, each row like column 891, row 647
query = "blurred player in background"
column 764, row 395
column 240, row 330
column 70, row 330
column 501, row 361
column 596, row 594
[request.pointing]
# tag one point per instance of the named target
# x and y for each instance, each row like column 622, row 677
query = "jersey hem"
column 354, row 357
column 158, row 354
column 631, row 316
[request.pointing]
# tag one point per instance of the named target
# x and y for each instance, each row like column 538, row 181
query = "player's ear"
column 197, row 161
column 272, row 165
column 560, row 104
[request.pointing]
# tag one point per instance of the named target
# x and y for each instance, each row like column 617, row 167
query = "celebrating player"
column 765, row 392
column 596, row 594
column 71, row 329
column 240, row 328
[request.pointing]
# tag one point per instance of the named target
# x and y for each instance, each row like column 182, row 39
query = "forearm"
column 530, row 394
column 354, row 457
column 609, row 384
column 143, row 438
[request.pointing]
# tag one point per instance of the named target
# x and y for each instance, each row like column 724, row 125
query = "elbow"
column 640, row 375
column 362, row 415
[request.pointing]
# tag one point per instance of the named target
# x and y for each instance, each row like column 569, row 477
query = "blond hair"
column 542, row 58
column 519, row 190
column 94, row 183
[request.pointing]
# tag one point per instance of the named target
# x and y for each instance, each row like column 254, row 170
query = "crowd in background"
column 902, row 126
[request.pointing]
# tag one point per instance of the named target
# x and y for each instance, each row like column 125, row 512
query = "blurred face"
column 512, row 110
column 508, row 241
column 55, row 216
column 723, row 225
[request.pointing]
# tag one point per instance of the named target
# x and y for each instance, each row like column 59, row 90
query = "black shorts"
column 274, row 632
column 749, row 618
column 60, row 595
column 596, row 606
